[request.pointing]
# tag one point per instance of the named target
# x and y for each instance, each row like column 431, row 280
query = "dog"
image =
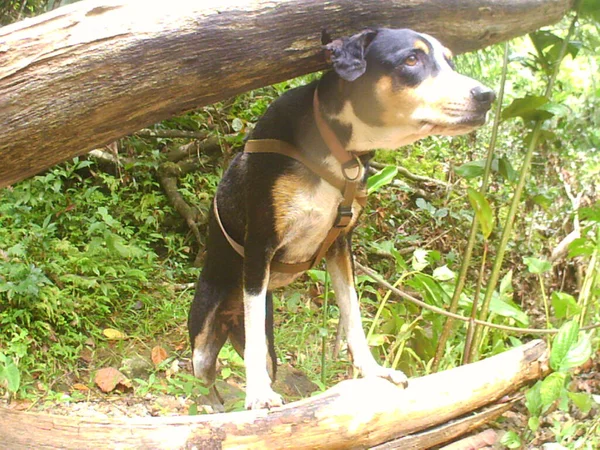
column 296, row 192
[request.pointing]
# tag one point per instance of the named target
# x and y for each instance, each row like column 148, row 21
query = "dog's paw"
column 395, row 376
column 263, row 398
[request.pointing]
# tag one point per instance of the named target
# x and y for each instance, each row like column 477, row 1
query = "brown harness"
column 352, row 170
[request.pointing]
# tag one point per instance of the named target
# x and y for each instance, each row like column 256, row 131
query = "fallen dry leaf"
column 80, row 387
column 109, row 378
column 173, row 369
column 159, row 354
column 114, row 335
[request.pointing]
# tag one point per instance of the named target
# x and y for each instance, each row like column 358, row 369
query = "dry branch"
column 86, row 74
column 449, row 430
column 353, row 414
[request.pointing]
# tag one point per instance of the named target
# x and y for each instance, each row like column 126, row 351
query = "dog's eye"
column 412, row 60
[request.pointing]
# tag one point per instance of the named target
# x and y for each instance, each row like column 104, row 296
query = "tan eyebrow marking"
column 421, row 46
column 448, row 53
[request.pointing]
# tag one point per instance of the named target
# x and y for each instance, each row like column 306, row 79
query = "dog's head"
column 404, row 80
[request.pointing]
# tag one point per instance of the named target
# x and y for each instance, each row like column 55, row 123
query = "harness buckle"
column 344, row 217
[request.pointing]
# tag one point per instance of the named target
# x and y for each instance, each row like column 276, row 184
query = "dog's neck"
column 330, row 151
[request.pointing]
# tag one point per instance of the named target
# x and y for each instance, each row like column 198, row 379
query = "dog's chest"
column 304, row 215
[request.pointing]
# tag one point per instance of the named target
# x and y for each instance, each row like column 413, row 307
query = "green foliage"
column 10, row 377
column 567, row 351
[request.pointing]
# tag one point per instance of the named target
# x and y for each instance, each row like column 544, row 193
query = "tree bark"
column 354, row 414
column 86, row 74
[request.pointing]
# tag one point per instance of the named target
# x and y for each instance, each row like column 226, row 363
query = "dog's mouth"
column 455, row 120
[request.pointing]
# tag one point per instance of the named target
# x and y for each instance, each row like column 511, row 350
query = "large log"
column 354, row 414
column 86, row 74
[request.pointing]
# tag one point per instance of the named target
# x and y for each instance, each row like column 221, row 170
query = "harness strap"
column 352, row 171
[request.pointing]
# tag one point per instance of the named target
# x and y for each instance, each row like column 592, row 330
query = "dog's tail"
column 270, row 336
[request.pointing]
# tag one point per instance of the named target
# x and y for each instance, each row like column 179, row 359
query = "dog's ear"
column 347, row 54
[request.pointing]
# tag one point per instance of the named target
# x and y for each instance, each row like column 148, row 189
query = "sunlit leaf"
column 551, row 388
column 564, row 305
column 483, row 211
column 582, row 400
column 511, row 440
column 537, row 265
column 564, row 340
column 533, row 402
column 506, row 283
column 578, row 354
column 419, row 259
column 506, row 309
column 381, row 178
column 443, row 273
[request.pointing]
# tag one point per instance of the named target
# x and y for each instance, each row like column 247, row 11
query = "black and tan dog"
column 295, row 193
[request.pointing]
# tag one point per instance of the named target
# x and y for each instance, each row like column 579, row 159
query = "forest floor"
column 157, row 381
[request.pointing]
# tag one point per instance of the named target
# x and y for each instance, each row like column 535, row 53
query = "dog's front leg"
column 340, row 267
column 256, row 279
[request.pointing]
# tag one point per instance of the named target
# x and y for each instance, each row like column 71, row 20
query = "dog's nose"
column 483, row 94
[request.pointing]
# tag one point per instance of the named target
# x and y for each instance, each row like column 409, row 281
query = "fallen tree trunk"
column 354, row 414
column 86, row 74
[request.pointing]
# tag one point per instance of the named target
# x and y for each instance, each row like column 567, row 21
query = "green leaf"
column 505, row 309
column 578, row 353
column 543, row 136
column 543, row 200
column 536, row 265
column 528, row 108
column 533, row 402
column 318, row 276
column 564, row 340
column 582, row 400
column 506, row 284
column 193, row 409
column 471, row 169
column 375, row 340
column 564, row 305
column 533, row 423
column 10, row 376
column 580, row 247
column 506, row 170
column 551, row 388
column 511, row 440
column 483, row 211
column 381, row 178
column 592, row 214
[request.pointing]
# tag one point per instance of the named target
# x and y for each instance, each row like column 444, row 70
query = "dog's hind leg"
column 208, row 333
column 340, row 266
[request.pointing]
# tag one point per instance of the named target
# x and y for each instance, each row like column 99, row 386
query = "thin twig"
column 378, row 279
column 172, row 134
column 411, row 176
column 515, row 202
